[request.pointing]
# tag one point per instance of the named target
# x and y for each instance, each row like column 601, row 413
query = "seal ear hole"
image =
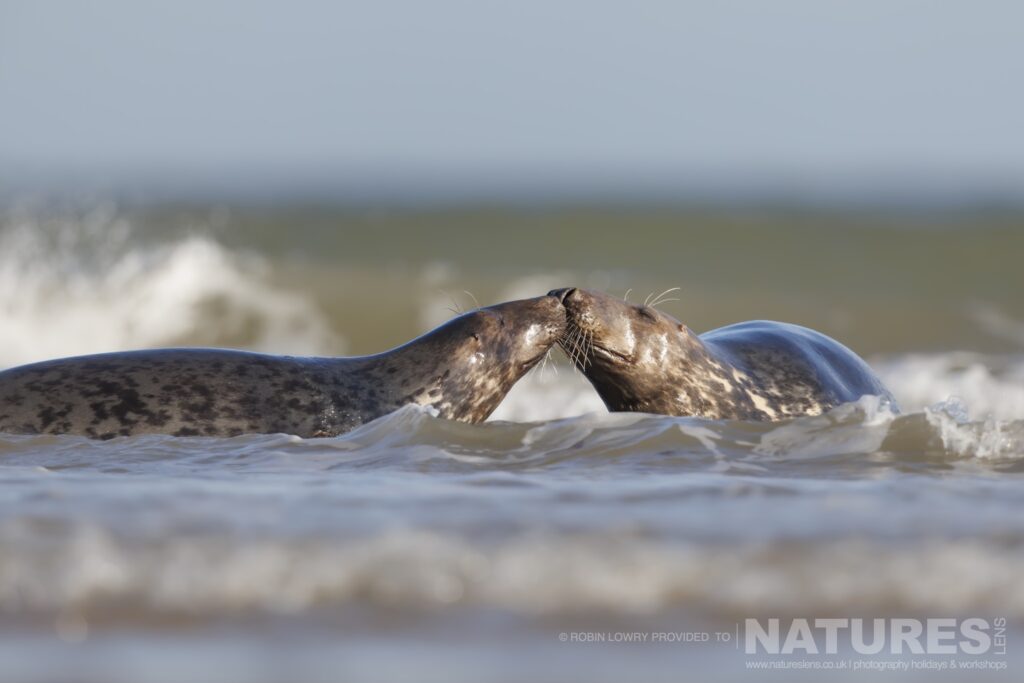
column 475, row 336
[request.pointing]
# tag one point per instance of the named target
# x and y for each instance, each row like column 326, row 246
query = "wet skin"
column 462, row 369
column 642, row 360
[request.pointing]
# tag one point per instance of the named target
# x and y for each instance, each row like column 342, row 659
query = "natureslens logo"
column 943, row 636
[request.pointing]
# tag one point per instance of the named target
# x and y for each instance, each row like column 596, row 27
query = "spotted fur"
column 463, row 369
column 642, row 360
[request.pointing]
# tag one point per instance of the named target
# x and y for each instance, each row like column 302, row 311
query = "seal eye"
column 646, row 313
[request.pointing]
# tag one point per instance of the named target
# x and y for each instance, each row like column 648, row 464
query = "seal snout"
column 576, row 302
column 554, row 317
column 563, row 294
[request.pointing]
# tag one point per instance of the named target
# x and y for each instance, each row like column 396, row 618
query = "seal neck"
column 430, row 372
column 684, row 377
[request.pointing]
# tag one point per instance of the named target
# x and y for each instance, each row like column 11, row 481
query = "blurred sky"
column 547, row 94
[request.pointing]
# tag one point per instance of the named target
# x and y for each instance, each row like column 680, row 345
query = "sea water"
column 529, row 546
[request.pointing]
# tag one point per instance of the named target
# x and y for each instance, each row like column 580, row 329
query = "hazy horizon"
column 878, row 101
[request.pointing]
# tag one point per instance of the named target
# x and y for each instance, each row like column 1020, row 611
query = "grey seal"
column 462, row 369
column 640, row 359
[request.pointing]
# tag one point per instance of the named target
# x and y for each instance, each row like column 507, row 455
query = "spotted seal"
column 462, row 369
column 639, row 359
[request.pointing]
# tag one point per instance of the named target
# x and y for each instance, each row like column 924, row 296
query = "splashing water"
column 85, row 285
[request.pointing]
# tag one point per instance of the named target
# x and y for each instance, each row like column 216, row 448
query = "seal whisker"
column 588, row 348
column 582, row 351
column 562, row 343
column 538, row 369
column 658, row 299
column 625, row 297
column 580, row 346
column 663, row 301
column 548, row 362
column 575, row 346
column 477, row 303
column 534, row 368
column 572, row 345
column 566, row 343
column 545, row 362
column 455, row 307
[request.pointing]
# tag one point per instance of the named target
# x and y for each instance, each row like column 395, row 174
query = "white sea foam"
column 549, row 393
column 84, row 284
column 987, row 386
column 991, row 438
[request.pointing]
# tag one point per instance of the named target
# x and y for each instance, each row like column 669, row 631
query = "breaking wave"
column 85, row 283
column 536, row 575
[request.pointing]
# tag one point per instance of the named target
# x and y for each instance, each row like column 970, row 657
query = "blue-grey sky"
column 809, row 90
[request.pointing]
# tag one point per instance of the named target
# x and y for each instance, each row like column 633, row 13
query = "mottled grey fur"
column 640, row 359
column 463, row 369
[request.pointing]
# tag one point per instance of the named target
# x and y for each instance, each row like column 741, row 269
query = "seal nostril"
column 562, row 294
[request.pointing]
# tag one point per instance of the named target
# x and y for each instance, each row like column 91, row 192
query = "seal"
column 462, row 369
column 641, row 360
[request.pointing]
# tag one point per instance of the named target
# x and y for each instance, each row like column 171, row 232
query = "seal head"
column 465, row 367
column 641, row 359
